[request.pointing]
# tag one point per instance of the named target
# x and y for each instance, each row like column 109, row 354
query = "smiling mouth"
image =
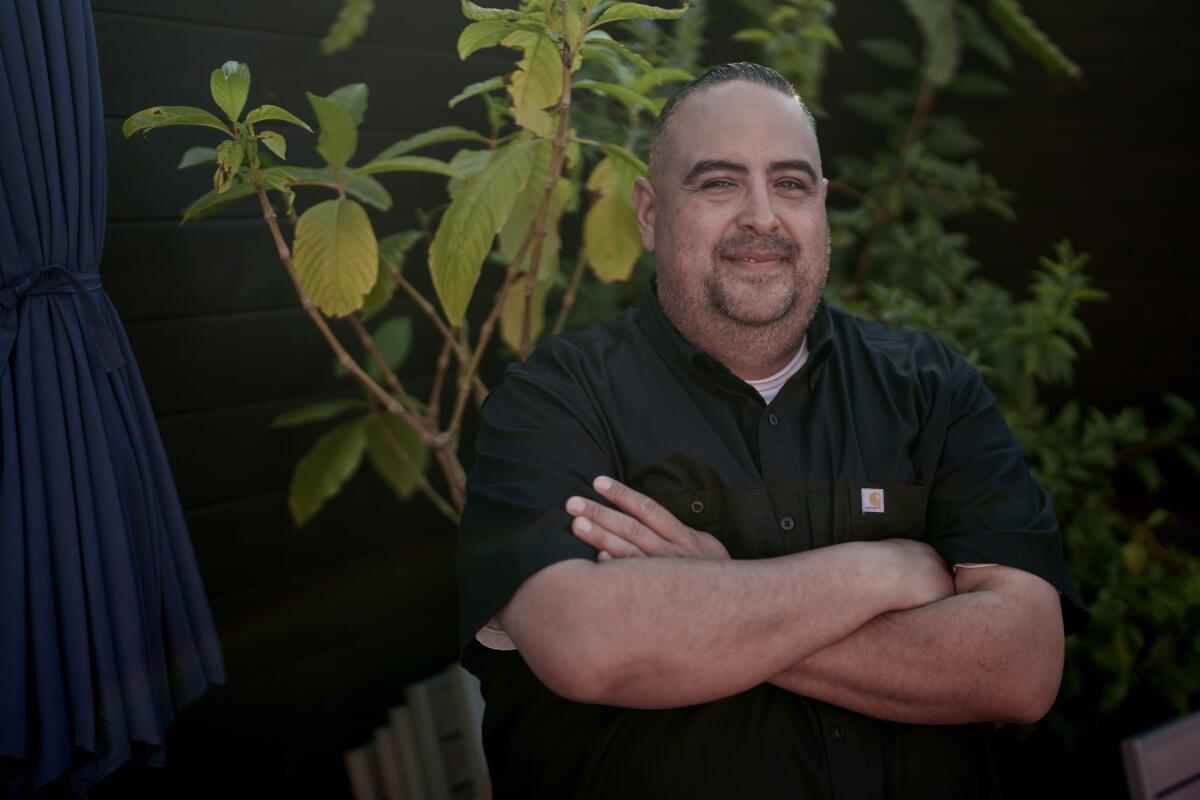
column 756, row 258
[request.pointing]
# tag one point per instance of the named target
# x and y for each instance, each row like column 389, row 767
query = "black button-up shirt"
column 883, row 433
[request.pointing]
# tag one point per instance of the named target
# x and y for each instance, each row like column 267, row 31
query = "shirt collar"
column 669, row 342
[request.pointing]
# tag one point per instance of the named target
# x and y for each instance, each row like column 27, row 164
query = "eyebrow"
column 718, row 165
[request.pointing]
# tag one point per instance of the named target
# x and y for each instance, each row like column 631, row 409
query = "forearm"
column 993, row 653
column 657, row 633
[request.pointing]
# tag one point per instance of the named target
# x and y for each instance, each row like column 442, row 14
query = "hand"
column 918, row 573
column 638, row 526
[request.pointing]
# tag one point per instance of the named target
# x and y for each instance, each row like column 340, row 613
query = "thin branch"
column 423, row 484
column 433, row 412
column 1145, row 448
column 462, row 353
column 569, row 299
column 388, row 373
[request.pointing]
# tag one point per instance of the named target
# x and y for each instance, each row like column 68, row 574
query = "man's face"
column 736, row 214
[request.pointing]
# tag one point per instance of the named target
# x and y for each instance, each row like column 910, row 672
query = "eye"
column 793, row 185
column 717, row 183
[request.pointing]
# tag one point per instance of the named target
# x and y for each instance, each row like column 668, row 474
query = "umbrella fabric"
column 105, row 629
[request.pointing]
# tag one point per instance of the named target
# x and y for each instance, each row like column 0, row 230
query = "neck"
column 750, row 352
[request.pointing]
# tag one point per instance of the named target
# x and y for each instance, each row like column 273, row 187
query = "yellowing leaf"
column 274, row 142
column 512, row 316
column 229, row 161
column 163, row 116
column 324, row 469
column 474, row 217
column 336, row 255
column 610, row 231
column 480, row 35
column 538, row 82
column 396, row 452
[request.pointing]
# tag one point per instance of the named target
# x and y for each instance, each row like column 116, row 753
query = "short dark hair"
column 723, row 73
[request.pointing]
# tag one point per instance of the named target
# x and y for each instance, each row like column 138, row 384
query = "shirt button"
column 774, row 420
column 839, row 732
column 787, row 523
column 697, row 506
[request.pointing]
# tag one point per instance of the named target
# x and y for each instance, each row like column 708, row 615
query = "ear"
column 824, row 189
column 644, row 206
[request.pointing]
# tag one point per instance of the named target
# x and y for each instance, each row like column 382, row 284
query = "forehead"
column 743, row 122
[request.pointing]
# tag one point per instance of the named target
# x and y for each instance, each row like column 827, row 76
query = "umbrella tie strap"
column 57, row 279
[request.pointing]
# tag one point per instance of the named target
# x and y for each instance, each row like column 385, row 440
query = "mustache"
column 776, row 244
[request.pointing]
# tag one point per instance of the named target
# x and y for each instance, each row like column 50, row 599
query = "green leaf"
column 890, row 52
column 977, row 37
column 821, row 33
column 338, row 138
column 324, row 469
column 396, row 452
column 336, row 255
column 395, row 247
column 480, row 35
column 230, row 85
column 754, row 35
column 512, row 316
column 353, row 98
column 269, row 112
column 198, row 155
column 351, row 23
column 1025, row 33
column 519, row 225
column 1147, row 470
column 274, row 142
column 380, row 294
column 472, row 220
column 477, row 13
column 610, row 231
column 393, row 340
column 315, row 412
column 659, row 76
column 229, row 160
column 164, row 116
column 402, row 164
column 446, row 133
column 629, row 97
column 978, row 84
column 371, row 192
column 939, row 30
column 1190, row 456
column 537, row 82
column 211, row 201
column 620, row 11
column 602, row 39
column 490, row 85
column 616, row 151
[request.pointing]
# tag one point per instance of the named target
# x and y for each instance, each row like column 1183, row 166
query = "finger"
column 621, row 524
column 603, row 540
column 604, row 555
column 642, row 508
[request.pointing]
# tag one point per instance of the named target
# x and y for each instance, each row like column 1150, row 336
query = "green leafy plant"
column 513, row 190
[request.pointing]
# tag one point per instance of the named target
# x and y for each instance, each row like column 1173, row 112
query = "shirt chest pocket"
column 857, row 512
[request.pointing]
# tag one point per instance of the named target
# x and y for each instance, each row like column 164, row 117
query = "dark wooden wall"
column 322, row 627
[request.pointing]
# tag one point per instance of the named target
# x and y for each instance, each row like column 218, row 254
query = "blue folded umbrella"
column 105, row 629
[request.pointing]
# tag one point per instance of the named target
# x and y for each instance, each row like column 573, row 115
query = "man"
column 802, row 483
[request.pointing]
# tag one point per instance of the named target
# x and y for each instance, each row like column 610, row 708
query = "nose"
column 758, row 210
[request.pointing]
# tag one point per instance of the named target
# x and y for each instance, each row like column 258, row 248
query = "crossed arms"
column 876, row 627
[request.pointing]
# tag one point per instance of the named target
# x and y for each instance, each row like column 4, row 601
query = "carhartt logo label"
column 872, row 501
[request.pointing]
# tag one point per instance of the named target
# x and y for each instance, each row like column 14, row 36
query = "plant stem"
column 423, row 484
column 569, row 299
column 310, row 308
column 552, row 175
column 388, row 373
column 433, row 412
column 462, row 353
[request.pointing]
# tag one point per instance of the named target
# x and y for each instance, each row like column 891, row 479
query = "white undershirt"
column 769, row 386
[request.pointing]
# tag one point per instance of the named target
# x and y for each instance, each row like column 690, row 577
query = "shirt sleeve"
column 984, row 505
column 538, row 444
